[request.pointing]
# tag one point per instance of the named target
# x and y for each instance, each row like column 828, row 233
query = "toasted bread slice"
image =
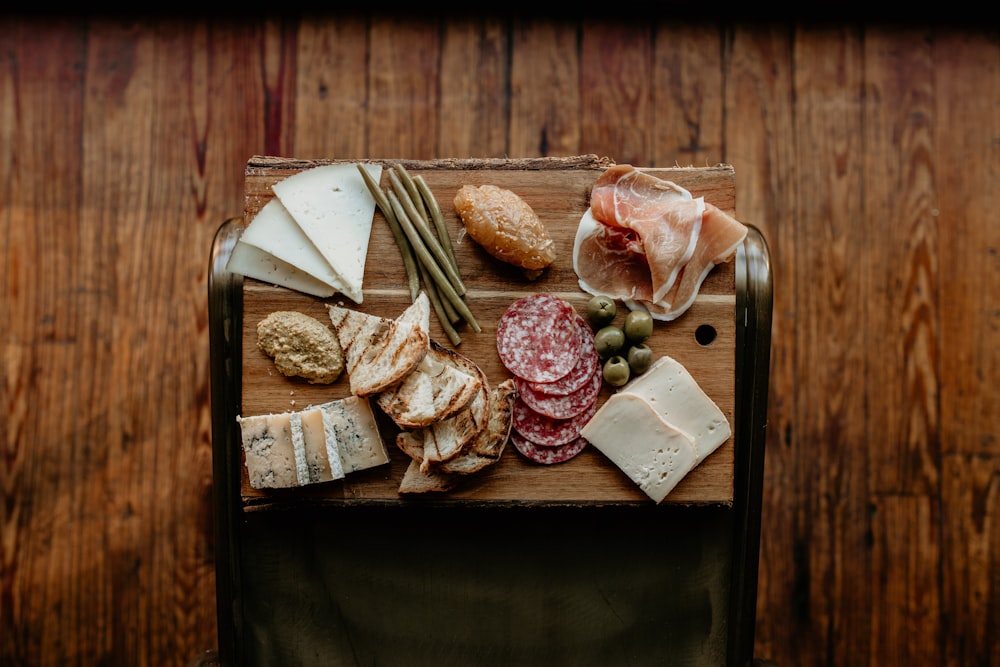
column 416, row 480
column 379, row 353
column 446, row 438
column 489, row 446
column 440, row 386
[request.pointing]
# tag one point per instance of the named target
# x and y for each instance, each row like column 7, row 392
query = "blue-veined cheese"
column 334, row 208
column 318, row 444
column 352, row 423
column 651, row 452
column 680, row 401
column 269, row 451
column 252, row 262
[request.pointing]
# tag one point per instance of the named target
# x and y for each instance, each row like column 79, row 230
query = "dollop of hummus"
column 301, row 346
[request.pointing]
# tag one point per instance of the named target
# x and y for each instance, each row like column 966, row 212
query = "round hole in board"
column 705, row 334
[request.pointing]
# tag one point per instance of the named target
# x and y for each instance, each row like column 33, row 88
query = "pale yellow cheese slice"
column 652, row 453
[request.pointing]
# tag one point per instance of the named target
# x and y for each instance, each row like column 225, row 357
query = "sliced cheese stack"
column 658, row 427
column 319, row 444
column 313, row 236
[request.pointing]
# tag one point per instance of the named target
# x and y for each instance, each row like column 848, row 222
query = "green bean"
column 437, row 217
column 411, row 189
column 428, row 261
column 409, row 261
column 439, row 307
column 430, row 240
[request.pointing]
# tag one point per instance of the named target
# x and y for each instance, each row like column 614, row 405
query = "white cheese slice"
column 352, row 422
column 252, row 262
column 334, row 208
column 680, row 401
column 274, row 231
column 652, row 453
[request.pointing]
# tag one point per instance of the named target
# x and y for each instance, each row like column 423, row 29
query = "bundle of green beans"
column 417, row 224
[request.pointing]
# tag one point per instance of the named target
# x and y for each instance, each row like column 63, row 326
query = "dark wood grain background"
column 868, row 153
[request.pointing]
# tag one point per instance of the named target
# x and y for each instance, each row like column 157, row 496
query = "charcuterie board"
column 703, row 339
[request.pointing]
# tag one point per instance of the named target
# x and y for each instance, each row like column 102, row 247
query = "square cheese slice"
column 334, row 208
column 680, row 401
column 652, row 453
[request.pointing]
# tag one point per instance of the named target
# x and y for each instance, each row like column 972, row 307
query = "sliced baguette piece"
column 441, row 385
column 379, row 353
column 417, row 480
column 445, row 439
column 489, row 446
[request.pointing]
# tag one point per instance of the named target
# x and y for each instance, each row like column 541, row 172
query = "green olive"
column 616, row 371
column 640, row 358
column 609, row 341
column 601, row 311
column 638, row 326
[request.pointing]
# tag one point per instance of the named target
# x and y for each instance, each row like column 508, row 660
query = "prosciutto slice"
column 663, row 218
column 648, row 242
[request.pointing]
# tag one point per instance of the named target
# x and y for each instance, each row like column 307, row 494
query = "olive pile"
column 623, row 350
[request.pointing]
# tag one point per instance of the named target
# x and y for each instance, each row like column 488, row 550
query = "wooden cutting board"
column 558, row 190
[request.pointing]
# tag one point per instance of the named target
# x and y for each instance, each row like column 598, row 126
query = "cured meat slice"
column 538, row 338
column 721, row 234
column 546, row 431
column 665, row 218
column 562, row 407
column 585, row 367
column 547, row 455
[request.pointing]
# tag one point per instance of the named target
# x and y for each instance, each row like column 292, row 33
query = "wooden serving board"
column 558, row 190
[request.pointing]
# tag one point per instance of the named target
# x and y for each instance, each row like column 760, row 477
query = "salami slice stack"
column 549, row 349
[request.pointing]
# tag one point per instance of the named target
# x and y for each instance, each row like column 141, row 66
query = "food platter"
column 558, row 189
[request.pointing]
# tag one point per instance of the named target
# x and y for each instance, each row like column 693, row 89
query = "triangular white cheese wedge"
column 333, row 207
column 252, row 262
column 274, row 231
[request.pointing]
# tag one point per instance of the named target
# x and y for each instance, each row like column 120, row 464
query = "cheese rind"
column 334, row 208
column 652, row 453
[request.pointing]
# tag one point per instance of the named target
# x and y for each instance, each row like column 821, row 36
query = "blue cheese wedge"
column 652, row 453
column 351, row 422
column 318, row 444
column 334, row 209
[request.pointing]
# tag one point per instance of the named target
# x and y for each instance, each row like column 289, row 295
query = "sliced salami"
column 561, row 407
column 538, row 338
column 546, row 431
column 578, row 376
column 547, row 455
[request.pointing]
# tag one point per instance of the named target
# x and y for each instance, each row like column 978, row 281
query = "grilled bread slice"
column 379, row 353
column 441, row 385
column 488, row 447
column 482, row 452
